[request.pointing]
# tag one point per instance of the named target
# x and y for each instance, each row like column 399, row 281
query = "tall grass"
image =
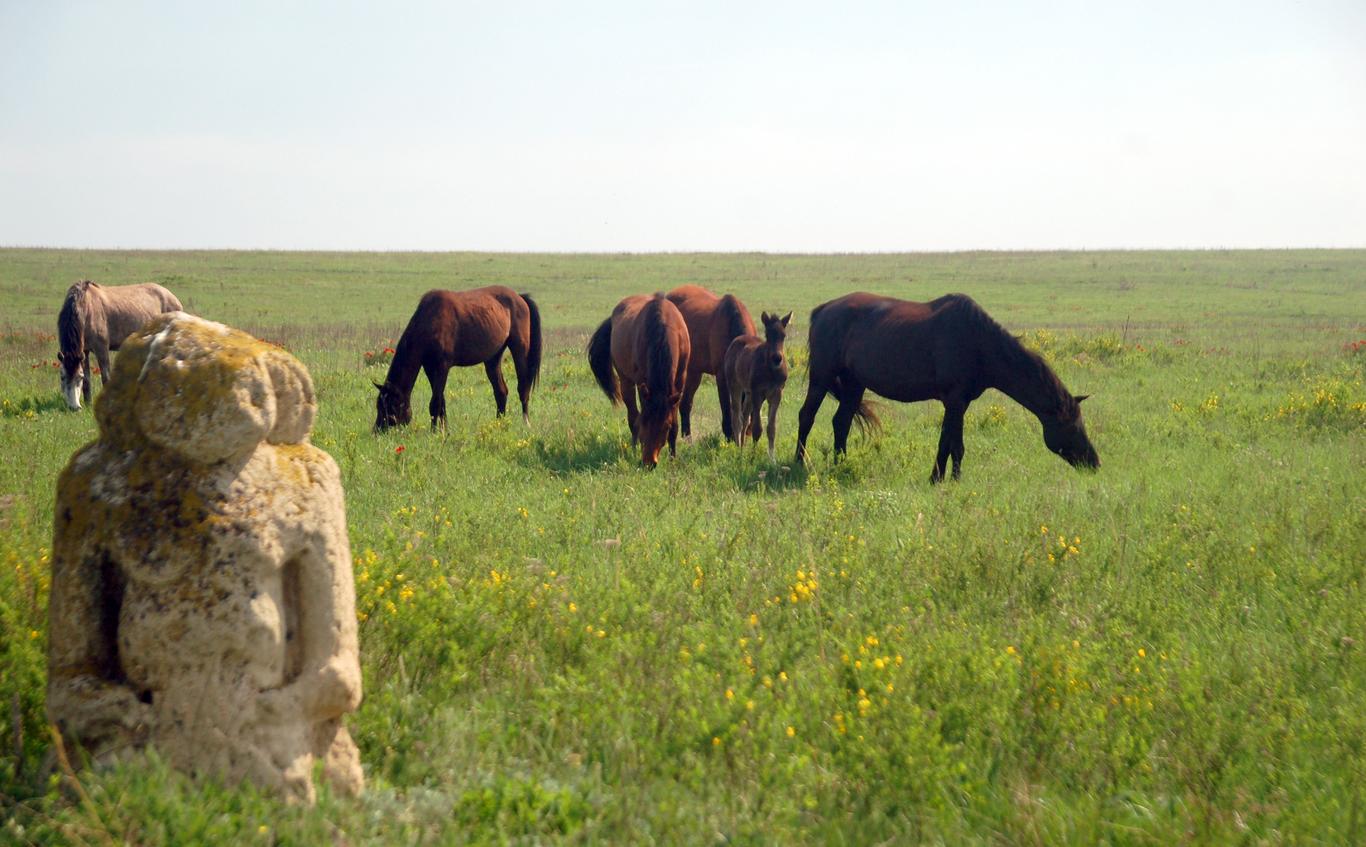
column 558, row 645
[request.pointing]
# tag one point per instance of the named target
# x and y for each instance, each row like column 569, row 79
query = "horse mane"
column 734, row 316
column 71, row 319
column 660, row 360
column 1012, row 352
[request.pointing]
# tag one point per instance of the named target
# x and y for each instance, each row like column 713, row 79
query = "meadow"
column 561, row 647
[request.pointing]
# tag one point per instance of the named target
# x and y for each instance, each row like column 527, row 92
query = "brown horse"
column 713, row 322
column 948, row 350
column 460, row 329
column 756, row 371
column 96, row 319
column 645, row 345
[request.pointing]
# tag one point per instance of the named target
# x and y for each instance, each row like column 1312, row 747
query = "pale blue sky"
column 683, row 126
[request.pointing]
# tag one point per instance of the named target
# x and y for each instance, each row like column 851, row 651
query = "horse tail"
column 660, row 359
column 723, row 392
column 533, row 353
column 738, row 321
column 71, row 319
column 600, row 360
column 866, row 417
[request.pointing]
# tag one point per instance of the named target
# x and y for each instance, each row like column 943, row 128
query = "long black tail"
column 600, row 360
column 533, row 354
column 723, row 391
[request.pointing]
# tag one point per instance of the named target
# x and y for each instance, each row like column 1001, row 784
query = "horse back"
column 738, row 363
column 121, row 310
column 901, row 349
column 462, row 328
column 712, row 323
column 643, row 327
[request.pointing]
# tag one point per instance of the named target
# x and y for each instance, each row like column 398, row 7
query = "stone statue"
column 202, row 595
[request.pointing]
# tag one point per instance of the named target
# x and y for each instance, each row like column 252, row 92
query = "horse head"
column 391, row 407
column 657, row 418
column 72, row 377
column 1065, row 435
column 775, row 333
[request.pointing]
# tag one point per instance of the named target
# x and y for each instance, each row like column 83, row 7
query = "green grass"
column 559, row 646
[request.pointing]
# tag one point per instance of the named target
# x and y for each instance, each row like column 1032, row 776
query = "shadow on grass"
column 30, row 406
column 585, row 453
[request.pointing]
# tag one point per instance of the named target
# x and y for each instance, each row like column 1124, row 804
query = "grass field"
column 559, row 646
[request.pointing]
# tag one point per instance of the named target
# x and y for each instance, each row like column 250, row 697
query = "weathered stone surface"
column 202, row 593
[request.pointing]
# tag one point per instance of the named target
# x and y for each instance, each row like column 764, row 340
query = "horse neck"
column 1026, row 380
column 404, row 367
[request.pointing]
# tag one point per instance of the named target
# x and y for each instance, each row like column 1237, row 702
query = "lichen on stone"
column 202, row 594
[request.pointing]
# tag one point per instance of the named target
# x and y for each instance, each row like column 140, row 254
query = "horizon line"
column 686, row 252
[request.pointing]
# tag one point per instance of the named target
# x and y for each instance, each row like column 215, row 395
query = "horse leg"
column 773, row 401
column 693, row 380
column 815, row 393
column 950, row 440
column 673, row 439
column 519, row 364
column 628, row 396
column 102, row 354
column 86, row 376
column 494, row 368
column 851, row 398
column 957, row 453
column 735, row 410
column 756, row 411
column 436, row 377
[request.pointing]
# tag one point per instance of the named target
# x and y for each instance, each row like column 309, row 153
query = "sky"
column 640, row 126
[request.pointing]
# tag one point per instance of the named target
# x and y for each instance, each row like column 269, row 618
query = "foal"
column 756, row 371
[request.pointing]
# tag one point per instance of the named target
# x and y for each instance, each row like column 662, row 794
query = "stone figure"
column 202, row 594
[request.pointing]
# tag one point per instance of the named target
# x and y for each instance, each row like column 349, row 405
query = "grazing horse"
column 756, row 371
column 644, row 345
column 713, row 322
column 96, row 319
column 460, row 329
column 948, row 350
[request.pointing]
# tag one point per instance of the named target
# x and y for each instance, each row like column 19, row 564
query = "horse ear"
column 763, row 317
column 785, row 319
column 1080, row 397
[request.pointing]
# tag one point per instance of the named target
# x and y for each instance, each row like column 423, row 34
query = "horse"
column 949, row 350
column 644, row 345
column 756, row 371
column 96, row 319
column 713, row 322
column 460, row 329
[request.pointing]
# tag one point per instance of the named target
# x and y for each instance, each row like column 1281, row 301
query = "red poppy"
column 389, row 350
column 399, row 449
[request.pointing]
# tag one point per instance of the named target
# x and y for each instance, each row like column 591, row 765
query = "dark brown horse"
column 644, row 345
column 96, row 319
column 756, row 371
column 460, row 329
column 713, row 322
column 948, row 350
